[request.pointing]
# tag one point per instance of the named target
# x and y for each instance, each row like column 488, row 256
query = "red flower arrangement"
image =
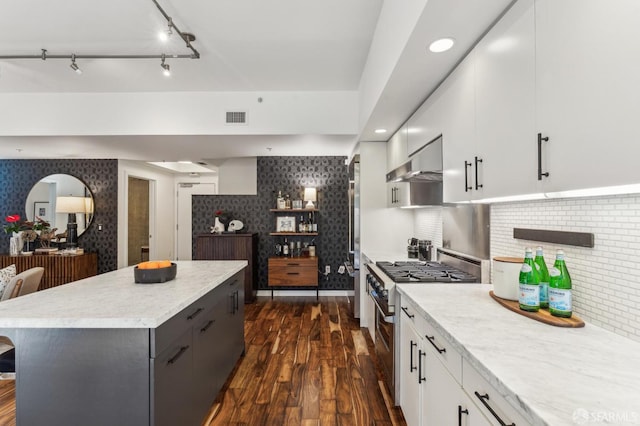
column 14, row 224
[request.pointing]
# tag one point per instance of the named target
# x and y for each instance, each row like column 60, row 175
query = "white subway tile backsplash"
column 606, row 278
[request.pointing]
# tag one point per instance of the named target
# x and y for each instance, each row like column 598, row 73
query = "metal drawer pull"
column 195, row 314
column 293, row 264
column 460, row 413
column 234, row 282
column 420, row 355
column 178, row 355
column 484, row 398
column 407, row 312
column 206, row 327
column 411, row 367
column 431, row 340
column 293, row 273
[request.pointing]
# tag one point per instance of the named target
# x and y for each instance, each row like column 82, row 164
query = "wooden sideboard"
column 58, row 269
column 232, row 247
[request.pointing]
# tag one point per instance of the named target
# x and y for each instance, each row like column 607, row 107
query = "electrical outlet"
column 327, row 269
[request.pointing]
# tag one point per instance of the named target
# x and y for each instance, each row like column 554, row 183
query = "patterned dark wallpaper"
column 290, row 175
column 17, row 177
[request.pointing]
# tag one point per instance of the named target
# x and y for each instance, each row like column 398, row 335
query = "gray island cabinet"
column 106, row 351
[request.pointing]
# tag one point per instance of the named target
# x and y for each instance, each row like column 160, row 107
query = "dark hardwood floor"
column 307, row 362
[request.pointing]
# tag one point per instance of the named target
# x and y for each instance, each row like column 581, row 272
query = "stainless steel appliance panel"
column 465, row 229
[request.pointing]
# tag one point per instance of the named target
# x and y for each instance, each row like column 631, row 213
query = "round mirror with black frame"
column 65, row 203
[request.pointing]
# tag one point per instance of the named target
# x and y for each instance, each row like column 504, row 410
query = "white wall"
column 238, row 176
column 606, row 284
column 161, row 245
column 178, row 113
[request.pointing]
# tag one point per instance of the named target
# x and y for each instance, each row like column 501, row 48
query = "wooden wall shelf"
column 286, row 234
column 294, row 210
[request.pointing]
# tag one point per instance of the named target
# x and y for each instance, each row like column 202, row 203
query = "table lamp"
column 309, row 197
column 71, row 205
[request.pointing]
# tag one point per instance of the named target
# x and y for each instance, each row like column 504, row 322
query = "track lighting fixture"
column 188, row 38
column 165, row 35
column 75, row 66
column 166, row 69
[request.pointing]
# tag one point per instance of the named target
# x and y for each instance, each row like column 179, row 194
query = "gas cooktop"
column 415, row 271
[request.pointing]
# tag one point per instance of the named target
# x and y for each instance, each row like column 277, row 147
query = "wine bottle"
column 285, row 248
column 280, row 201
column 529, row 294
column 541, row 265
column 560, row 288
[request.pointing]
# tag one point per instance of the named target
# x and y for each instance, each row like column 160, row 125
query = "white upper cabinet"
column 588, row 91
column 424, row 125
column 455, row 99
column 397, row 149
column 505, row 105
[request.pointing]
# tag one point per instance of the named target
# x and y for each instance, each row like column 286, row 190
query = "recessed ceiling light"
column 441, row 45
column 381, row 130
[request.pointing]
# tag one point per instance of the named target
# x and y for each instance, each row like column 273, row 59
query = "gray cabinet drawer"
column 170, row 330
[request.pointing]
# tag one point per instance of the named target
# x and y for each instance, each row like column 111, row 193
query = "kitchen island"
column 548, row 375
column 105, row 351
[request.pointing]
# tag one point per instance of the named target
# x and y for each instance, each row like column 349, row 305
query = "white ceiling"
column 245, row 45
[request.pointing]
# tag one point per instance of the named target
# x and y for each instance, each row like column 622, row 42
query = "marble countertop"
column 114, row 300
column 550, row 374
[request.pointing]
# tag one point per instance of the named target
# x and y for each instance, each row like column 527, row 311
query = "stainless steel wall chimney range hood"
column 423, row 174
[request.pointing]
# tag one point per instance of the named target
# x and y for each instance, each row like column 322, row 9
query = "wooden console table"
column 58, row 269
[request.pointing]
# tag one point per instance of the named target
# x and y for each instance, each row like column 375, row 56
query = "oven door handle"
column 387, row 318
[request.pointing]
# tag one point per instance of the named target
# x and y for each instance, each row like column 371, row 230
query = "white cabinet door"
column 505, row 106
column 456, row 101
column 410, row 388
column 441, row 392
column 397, row 149
column 424, row 125
column 588, row 91
column 467, row 413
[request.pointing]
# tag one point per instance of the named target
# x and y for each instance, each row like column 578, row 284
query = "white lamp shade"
column 88, row 205
column 310, row 195
column 70, row 205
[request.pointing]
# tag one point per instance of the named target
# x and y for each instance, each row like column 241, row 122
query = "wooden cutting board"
column 542, row 315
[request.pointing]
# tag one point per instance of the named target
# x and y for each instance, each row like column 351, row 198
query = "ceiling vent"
column 236, row 117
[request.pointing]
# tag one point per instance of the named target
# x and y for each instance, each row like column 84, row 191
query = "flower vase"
column 15, row 244
column 218, row 227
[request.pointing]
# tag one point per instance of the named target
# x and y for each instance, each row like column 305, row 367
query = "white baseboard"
column 285, row 293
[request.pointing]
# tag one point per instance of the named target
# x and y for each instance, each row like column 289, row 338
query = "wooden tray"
column 542, row 315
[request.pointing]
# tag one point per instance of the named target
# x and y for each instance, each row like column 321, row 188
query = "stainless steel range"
column 382, row 277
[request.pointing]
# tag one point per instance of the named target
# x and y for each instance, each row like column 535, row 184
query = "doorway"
column 137, row 221
column 184, row 230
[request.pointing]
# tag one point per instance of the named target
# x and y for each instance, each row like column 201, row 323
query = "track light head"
column 165, row 35
column 166, row 69
column 75, row 66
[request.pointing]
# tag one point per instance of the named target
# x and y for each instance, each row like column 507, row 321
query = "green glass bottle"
column 560, row 288
column 529, row 294
column 543, row 272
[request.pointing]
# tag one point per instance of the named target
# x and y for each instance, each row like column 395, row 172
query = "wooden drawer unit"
column 293, row 271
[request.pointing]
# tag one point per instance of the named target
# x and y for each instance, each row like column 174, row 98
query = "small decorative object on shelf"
column 222, row 220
